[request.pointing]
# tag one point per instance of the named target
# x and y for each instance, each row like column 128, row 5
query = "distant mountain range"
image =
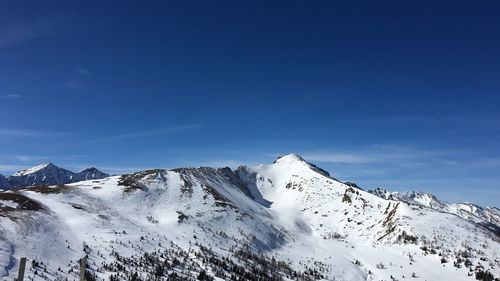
column 48, row 174
column 486, row 216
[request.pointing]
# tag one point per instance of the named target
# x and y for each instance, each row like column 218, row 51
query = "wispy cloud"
column 9, row 168
column 20, row 133
column 339, row 158
column 82, row 71
column 233, row 163
column 378, row 154
column 15, row 34
column 74, row 84
column 29, row 158
column 10, row 96
column 113, row 170
column 147, row 133
column 78, row 78
column 8, row 133
column 386, row 120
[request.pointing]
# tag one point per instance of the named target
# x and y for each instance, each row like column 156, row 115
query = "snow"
column 466, row 210
column 8, row 203
column 31, row 170
column 288, row 210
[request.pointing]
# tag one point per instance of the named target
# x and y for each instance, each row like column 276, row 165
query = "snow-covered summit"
column 289, row 158
column 296, row 162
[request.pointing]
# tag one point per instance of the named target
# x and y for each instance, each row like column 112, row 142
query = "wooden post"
column 22, row 267
column 83, row 265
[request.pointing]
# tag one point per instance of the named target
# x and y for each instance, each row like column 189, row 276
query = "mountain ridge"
column 48, row 174
column 280, row 221
column 486, row 216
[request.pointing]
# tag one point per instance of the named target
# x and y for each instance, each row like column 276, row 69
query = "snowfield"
column 285, row 221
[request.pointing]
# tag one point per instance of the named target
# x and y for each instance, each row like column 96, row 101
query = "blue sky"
column 399, row 94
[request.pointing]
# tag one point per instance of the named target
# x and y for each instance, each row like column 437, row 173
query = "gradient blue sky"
column 396, row 94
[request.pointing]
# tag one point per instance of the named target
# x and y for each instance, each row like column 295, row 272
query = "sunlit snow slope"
column 288, row 220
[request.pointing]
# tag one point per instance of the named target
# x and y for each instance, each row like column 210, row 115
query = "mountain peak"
column 291, row 157
column 89, row 169
column 90, row 173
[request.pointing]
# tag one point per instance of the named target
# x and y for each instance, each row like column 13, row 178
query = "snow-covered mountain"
column 486, row 216
column 50, row 174
column 412, row 197
column 45, row 174
column 90, row 174
column 288, row 220
column 477, row 213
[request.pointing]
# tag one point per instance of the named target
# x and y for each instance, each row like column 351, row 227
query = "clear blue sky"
column 396, row 94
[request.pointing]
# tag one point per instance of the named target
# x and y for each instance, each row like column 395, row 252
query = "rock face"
column 288, row 220
column 4, row 184
column 90, row 174
column 50, row 174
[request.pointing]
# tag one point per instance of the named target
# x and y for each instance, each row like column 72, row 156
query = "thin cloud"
column 379, row 154
column 13, row 97
column 29, row 158
column 113, row 170
column 78, row 79
column 82, row 71
column 74, row 84
column 340, row 158
column 15, row 34
column 148, row 133
column 386, row 120
column 7, row 168
column 20, row 133
column 219, row 163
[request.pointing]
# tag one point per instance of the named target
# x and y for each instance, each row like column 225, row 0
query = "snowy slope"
column 286, row 220
column 334, row 211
